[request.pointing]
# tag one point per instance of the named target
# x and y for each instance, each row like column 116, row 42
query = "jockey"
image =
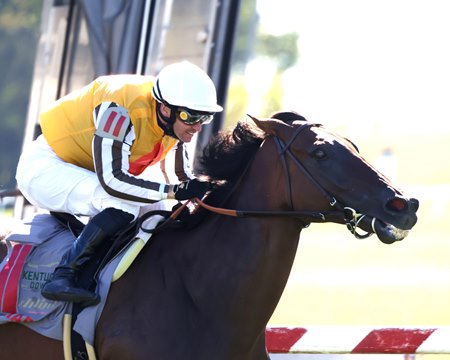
column 95, row 143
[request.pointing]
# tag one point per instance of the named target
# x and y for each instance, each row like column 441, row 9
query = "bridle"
column 351, row 218
column 342, row 214
column 285, row 151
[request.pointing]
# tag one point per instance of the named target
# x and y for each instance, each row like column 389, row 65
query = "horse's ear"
column 288, row 116
column 269, row 126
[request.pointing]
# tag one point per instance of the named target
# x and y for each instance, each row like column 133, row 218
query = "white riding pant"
column 50, row 183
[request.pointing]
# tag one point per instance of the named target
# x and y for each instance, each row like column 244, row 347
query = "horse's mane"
column 225, row 158
column 227, row 154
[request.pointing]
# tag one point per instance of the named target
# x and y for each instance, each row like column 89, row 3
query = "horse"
column 207, row 290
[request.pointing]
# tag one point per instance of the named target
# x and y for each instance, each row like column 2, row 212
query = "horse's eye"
column 319, row 154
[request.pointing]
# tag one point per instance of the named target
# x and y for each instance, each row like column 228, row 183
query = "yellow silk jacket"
column 70, row 124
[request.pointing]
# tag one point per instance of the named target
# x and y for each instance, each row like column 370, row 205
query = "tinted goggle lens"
column 191, row 118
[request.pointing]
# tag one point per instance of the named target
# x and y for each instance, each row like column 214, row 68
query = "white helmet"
column 186, row 85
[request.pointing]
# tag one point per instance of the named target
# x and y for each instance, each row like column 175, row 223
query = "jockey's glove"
column 191, row 189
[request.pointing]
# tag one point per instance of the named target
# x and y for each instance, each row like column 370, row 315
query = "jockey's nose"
column 197, row 126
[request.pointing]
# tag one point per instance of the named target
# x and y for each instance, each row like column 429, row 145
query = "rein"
column 344, row 215
column 316, row 216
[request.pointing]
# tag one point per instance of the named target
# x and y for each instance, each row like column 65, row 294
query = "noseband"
column 342, row 214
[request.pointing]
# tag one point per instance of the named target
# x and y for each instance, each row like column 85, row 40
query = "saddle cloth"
column 34, row 250
column 31, row 259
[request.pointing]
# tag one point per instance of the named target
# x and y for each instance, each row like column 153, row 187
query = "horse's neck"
column 263, row 185
column 251, row 257
column 219, row 282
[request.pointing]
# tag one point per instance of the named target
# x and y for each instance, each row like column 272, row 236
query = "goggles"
column 190, row 117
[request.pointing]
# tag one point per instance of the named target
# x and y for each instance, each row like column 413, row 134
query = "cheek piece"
column 167, row 125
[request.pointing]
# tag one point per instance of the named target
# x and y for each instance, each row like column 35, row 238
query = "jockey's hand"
column 191, row 189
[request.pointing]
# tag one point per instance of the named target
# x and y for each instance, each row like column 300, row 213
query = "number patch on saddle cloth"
column 111, row 120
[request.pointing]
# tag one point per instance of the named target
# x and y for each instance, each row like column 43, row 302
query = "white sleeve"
column 111, row 152
column 176, row 165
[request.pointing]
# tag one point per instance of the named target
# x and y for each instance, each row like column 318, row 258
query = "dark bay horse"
column 208, row 290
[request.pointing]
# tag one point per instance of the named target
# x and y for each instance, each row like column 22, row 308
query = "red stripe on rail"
column 281, row 339
column 393, row 341
column 350, row 339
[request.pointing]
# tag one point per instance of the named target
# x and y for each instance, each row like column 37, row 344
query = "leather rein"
column 342, row 214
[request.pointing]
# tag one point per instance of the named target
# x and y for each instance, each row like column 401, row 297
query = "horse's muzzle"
column 402, row 212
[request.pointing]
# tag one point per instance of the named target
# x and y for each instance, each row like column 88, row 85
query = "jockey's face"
column 182, row 130
column 185, row 132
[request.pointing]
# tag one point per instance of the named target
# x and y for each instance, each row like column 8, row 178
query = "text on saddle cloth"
column 31, row 259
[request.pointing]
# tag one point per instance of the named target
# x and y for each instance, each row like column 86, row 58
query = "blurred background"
column 376, row 72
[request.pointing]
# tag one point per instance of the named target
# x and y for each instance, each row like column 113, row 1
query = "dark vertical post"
column 219, row 62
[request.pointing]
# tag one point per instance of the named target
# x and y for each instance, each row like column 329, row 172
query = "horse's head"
column 333, row 166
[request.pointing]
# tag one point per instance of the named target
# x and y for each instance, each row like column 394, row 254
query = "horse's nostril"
column 397, row 204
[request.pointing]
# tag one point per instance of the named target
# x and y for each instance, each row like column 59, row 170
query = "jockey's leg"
column 63, row 285
column 53, row 184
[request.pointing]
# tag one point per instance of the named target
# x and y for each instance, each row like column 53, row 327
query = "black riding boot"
column 63, row 285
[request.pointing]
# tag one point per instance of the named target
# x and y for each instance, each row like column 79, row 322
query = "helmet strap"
column 166, row 122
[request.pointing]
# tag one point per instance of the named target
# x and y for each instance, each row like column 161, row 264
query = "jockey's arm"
column 177, row 164
column 111, row 152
